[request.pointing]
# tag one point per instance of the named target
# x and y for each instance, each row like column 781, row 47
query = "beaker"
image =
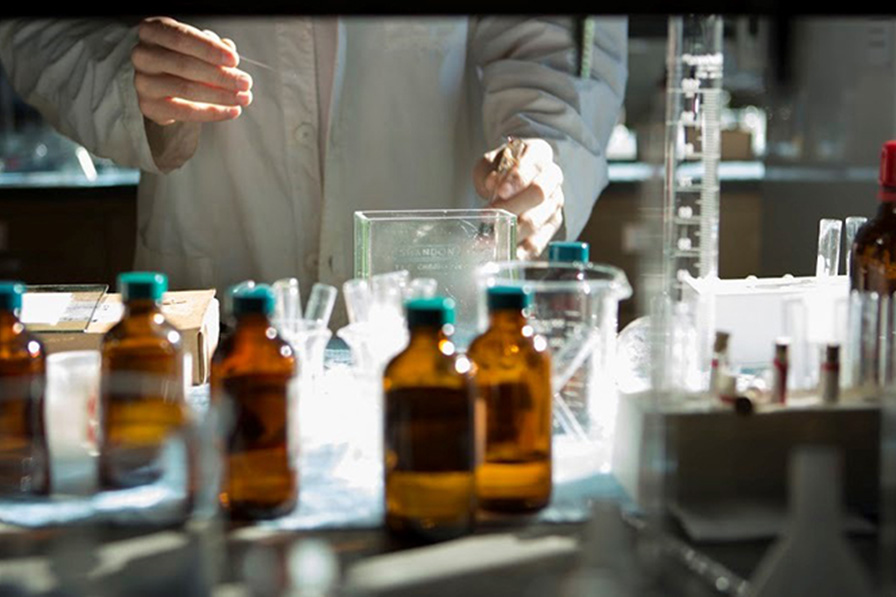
column 575, row 307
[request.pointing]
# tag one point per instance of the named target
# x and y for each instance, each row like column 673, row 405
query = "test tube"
column 321, row 303
column 853, row 223
column 796, row 328
column 828, row 260
column 862, row 339
column 287, row 305
column 884, row 345
column 780, row 367
column 829, row 379
column 388, row 290
column 423, row 288
column 357, row 299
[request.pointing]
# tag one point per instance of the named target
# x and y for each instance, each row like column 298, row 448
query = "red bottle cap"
column 888, row 165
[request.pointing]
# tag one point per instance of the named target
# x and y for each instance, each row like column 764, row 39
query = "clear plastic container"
column 445, row 245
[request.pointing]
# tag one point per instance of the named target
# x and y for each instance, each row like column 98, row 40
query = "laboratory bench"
column 208, row 558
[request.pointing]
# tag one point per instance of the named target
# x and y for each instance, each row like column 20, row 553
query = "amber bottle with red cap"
column 873, row 267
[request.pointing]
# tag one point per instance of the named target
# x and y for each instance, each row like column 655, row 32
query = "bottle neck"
column 426, row 336
column 252, row 321
column 509, row 320
column 8, row 318
column 141, row 308
column 10, row 326
column 887, row 198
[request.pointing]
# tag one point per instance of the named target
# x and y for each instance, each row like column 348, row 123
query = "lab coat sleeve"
column 78, row 75
column 528, row 69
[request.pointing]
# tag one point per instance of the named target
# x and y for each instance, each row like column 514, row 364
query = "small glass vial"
column 513, row 382
column 252, row 372
column 719, row 366
column 142, row 386
column 780, row 367
column 829, row 379
column 429, row 433
column 24, row 456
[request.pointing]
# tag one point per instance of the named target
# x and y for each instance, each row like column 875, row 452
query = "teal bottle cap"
column 11, row 295
column 508, row 297
column 568, row 251
column 253, row 299
column 142, row 285
column 432, row 312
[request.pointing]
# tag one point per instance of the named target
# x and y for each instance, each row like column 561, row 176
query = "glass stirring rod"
column 254, row 62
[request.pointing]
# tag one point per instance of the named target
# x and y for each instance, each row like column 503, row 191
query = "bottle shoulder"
column 420, row 367
column 21, row 348
column 152, row 342
column 245, row 353
column 493, row 344
column 882, row 227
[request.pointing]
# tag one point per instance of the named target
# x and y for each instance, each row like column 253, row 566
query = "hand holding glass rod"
column 507, row 160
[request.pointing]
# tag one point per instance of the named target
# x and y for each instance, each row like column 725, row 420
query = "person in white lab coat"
column 253, row 172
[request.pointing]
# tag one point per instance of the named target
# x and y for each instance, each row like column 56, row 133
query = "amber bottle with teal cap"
column 142, row 402
column 252, row 372
column 24, row 457
column 513, row 381
column 429, row 431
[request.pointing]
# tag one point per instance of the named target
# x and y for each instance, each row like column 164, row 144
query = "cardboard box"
column 194, row 312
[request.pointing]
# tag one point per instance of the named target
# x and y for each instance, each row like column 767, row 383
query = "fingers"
column 151, row 87
column 156, row 60
column 534, row 245
column 531, row 210
column 537, row 155
column 184, row 74
column 168, row 110
column 181, row 38
column 482, row 172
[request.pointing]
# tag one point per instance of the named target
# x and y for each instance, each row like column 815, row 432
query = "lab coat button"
column 304, row 132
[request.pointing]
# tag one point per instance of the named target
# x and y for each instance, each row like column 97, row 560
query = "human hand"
column 531, row 189
column 183, row 74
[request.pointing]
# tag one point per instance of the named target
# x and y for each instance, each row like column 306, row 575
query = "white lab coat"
column 414, row 103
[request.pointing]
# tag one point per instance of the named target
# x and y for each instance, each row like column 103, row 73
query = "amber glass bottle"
column 430, row 448
column 513, row 379
column 873, row 266
column 252, row 370
column 24, row 457
column 142, row 388
column 568, row 251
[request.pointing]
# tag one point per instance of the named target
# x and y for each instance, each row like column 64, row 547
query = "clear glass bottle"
column 142, row 399
column 429, row 430
column 513, row 381
column 873, row 255
column 24, row 456
column 252, row 372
